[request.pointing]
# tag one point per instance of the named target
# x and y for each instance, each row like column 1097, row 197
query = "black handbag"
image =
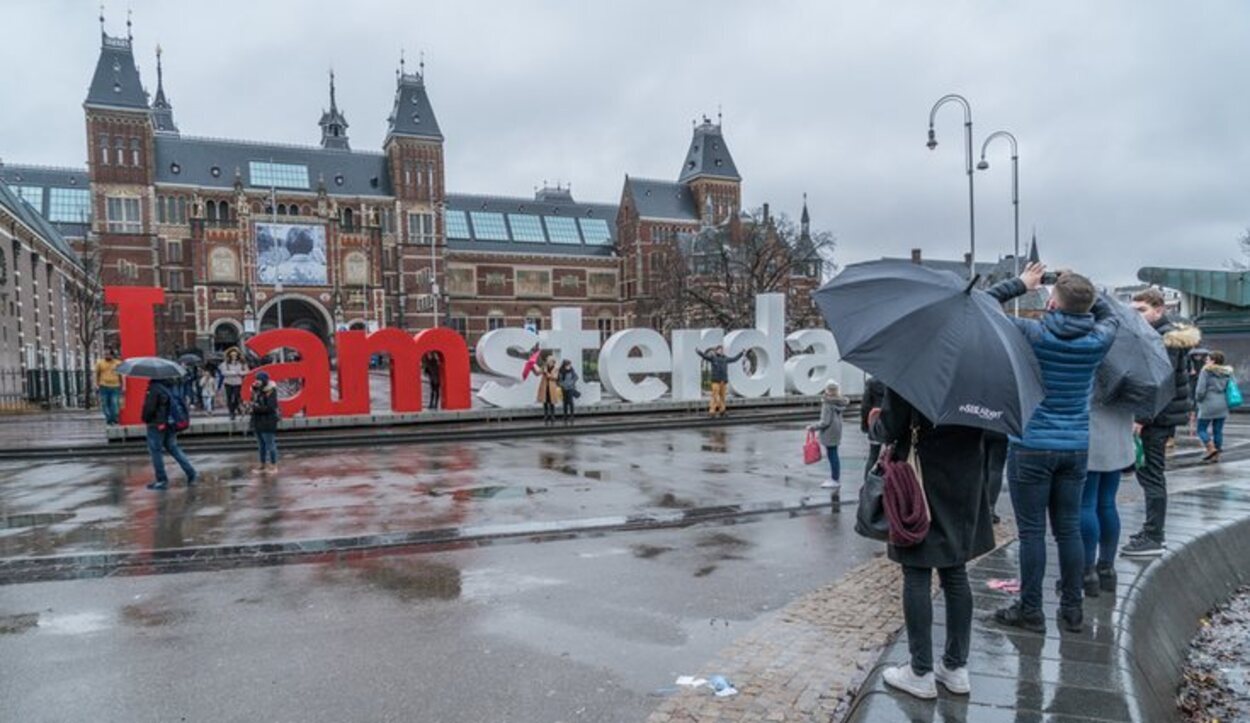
column 870, row 518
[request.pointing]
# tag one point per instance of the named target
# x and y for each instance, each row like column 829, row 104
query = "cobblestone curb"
column 806, row 662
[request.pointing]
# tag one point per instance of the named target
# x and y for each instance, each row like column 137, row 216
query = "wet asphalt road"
column 587, row 629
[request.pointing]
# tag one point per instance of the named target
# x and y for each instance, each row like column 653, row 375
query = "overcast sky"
column 1132, row 116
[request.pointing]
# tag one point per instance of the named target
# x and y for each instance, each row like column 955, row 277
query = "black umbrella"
column 190, row 359
column 945, row 347
column 151, row 367
column 1137, row 369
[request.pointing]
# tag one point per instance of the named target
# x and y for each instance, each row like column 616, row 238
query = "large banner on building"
column 291, row 253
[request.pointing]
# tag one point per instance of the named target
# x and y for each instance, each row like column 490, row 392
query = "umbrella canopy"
column 530, row 364
column 1136, row 371
column 190, row 359
column 151, row 367
column 947, row 348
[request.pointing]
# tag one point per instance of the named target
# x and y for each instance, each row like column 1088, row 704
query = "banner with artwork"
column 291, row 253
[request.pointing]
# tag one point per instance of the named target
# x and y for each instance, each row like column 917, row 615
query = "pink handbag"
column 811, row 448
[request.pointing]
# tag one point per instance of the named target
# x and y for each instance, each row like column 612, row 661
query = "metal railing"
column 32, row 389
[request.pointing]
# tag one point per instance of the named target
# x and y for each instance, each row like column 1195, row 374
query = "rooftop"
column 547, row 224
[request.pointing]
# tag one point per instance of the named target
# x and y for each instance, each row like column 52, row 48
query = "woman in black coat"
column 950, row 461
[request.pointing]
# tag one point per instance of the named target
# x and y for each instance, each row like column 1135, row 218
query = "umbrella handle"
column 971, row 284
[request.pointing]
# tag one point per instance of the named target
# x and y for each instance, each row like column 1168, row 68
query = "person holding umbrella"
column 1047, row 465
column 164, row 414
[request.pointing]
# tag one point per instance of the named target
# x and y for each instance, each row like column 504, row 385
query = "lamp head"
column 983, row 165
column 932, row 140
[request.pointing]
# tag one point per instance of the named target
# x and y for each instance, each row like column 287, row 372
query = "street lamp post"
column 1015, row 194
column 932, row 144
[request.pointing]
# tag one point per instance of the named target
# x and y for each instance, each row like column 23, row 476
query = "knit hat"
column 262, row 377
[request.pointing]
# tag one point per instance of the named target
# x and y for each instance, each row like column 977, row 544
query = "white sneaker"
column 905, row 679
column 956, row 681
column 830, row 485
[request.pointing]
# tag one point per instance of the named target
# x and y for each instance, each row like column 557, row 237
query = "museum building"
column 246, row 236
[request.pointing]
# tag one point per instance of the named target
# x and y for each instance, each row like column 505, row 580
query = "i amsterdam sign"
column 629, row 361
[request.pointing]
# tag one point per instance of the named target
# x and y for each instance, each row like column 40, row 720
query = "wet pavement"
column 590, row 629
column 1063, row 677
column 85, row 506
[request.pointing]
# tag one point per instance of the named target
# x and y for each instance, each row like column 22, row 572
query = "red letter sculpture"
column 137, row 327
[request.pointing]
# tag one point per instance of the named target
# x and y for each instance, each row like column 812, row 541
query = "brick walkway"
column 806, row 662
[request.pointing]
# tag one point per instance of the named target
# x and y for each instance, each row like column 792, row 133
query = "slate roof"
column 708, row 155
column 47, row 177
column 412, row 114
column 346, row 173
column 33, row 218
column 116, row 82
column 666, row 200
column 545, row 206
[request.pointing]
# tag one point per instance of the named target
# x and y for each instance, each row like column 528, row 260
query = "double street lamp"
column 1015, row 193
column 972, row 233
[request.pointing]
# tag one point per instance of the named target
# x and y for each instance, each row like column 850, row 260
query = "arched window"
column 104, row 149
column 223, row 210
column 347, row 219
column 120, row 147
column 134, row 151
column 281, row 209
column 210, row 210
column 160, row 209
column 182, row 210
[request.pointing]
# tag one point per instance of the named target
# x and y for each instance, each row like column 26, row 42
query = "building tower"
column 711, row 175
column 414, row 152
column 162, row 111
column 333, row 124
column 120, row 153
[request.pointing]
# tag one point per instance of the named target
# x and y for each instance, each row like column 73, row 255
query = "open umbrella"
column 190, row 359
column 947, row 348
column 151, row 367
column 1135, row 373
column 530, row 364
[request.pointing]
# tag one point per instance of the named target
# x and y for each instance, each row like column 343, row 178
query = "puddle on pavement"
column 145, row 616
column 485, row 492
column 649, row 552
column 74, row 623
column 36, row 519
column 705, row 571
column 669, row 501
column 410, row 580
column 16, row 624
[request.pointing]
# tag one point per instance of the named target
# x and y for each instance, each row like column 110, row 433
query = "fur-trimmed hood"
column 1182, row 336
column 1222, row 370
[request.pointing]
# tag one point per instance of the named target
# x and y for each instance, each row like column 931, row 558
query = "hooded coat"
column 1212, row 391
column 1179, row 339
column 950, row 458
column 830, row 425
column 265, row 414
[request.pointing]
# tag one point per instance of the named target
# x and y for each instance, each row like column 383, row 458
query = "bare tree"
column 712, row 277
column 1243, row 263
column 86, row 297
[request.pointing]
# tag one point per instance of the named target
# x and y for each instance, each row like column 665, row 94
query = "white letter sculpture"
column 808, row 373
column 569, row 340
column 687, row 364
column 493, row 358
column 616, row 365
column 768, row 340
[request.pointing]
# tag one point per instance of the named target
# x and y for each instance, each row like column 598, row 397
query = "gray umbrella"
column 946, row 348
column 151, row 367
column 1137, row 369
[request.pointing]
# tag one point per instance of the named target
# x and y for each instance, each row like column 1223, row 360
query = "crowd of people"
column 1064, row 468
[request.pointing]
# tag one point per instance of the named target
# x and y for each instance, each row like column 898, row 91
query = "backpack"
column 1232, row 393
column 177, row 417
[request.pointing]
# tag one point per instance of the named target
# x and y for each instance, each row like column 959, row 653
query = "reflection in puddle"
column 14, row 624
column 648, row 552
column 145, row 616
column 36, row 519
column 74, row 623
column 411, row 580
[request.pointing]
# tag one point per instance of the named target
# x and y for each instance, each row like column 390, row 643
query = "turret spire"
column 333, row 123
column 162, row 110
column 805, row 220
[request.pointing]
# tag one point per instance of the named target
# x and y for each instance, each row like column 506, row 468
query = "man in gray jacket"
column 720, row 378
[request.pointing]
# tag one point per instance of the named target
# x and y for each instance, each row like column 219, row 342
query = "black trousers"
column 234, row 398
column 436, row 396
column 918, row 614
column 1153, row 479
column 568, row 405
column 995, row 461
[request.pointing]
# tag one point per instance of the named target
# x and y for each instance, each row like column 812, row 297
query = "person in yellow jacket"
column 109, row 384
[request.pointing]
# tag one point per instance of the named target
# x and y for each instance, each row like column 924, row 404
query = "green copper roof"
column 1229, row 287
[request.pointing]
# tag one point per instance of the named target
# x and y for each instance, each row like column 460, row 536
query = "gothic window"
column 348, row 219
column 160, row 209
column 210, row 210
column 120, row 147
column 281, row 209
column 104, row 149
column 223, row 210
column 182, row 209
column 134, row 151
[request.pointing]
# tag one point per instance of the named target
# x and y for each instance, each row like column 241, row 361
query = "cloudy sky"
column 1132, row 116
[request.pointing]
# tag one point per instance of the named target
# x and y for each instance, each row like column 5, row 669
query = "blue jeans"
column 111, row 403
column 1217, row 433
column 835, row 464
column 166, row 440
column 268, row 444
column 1048, row 482
column 1100, row 520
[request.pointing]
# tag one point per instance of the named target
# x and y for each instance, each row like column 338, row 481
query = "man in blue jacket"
column 1047, row 465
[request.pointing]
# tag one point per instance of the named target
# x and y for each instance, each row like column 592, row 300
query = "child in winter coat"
column 832, row 407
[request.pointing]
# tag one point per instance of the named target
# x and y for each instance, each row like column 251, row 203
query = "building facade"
column 246, row 236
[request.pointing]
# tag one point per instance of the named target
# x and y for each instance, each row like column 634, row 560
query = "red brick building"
column 244, row 236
